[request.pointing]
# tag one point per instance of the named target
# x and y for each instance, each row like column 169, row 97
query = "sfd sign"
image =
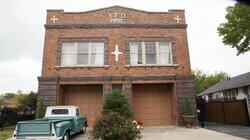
column 116, row 17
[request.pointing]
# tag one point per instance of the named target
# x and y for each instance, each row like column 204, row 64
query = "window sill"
column 152, row 65
column 75, row 67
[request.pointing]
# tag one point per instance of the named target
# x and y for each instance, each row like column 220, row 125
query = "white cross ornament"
column 177, row 19
column 116, row 53
column 54, row 19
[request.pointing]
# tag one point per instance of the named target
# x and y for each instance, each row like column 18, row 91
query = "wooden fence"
column 227, row 112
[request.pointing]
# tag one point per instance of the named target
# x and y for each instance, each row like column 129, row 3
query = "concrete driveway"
column 177, row 133
column 235, row 130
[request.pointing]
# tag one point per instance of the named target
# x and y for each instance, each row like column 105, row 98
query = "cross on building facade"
column 116, row 53
column 177, row 19
column 54, row 19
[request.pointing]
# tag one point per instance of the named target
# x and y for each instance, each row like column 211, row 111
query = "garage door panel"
column 152, row 104
column 87, row 97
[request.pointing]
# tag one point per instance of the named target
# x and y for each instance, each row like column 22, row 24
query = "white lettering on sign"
column 116, row 17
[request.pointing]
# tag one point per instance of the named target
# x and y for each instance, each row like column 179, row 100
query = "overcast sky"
column 22, row 36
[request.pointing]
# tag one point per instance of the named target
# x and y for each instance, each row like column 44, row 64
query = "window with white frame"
column 135, row 53
column 82, row 54
column 150, row 53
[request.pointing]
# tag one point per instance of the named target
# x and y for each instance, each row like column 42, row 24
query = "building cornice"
column 98, row 26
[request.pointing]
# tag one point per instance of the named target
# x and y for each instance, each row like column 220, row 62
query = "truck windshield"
column 59, row 111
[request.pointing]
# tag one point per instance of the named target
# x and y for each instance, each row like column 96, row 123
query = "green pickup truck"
column 58, row 124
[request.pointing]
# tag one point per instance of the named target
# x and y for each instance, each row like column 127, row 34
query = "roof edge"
column 116, row 6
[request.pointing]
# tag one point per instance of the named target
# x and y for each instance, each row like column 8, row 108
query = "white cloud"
column 19, row 74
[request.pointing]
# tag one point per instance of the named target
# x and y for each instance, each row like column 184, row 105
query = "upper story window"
column 150, row 53
column 82, row 54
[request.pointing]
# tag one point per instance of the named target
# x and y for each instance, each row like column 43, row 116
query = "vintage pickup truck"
column 59, row 123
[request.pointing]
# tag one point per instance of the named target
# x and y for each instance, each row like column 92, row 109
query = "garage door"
column 152, row 104
column 87, row 97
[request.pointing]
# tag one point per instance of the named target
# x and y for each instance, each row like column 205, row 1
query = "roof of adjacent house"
column 237, row 81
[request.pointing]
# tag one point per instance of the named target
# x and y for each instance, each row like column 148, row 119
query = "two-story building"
column 144, row 54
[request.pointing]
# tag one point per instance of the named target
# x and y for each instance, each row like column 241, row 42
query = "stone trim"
column 81, row 40
column 183, row 78
column 100, row 26
column 149, row 39
column 127, row 53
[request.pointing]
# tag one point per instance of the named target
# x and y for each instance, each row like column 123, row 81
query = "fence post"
column 246, row 108
column 224, row 114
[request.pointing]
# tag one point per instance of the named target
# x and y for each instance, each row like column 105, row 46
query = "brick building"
column 144, row 54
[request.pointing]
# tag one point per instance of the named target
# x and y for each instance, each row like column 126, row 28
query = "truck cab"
column 59, row 122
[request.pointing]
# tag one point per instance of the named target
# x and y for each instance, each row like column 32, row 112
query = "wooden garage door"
column 151, row 104
column 87, row 97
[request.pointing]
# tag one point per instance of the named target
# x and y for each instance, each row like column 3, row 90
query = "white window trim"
column 157, row 56
column 89, row 57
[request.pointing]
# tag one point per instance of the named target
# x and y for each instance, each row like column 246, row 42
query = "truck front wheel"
column 83, row 130
column 66, row 136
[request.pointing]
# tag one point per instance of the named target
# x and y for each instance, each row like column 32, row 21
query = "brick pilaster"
column 128, row 88
column 48, row 90
column 185, row 89
column 106, row 86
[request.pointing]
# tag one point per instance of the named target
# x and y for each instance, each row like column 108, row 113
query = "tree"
column 118, row 102
column 9, row 96
column 236, row 30
column 203, row 81
column 116, row 121
column 40, row 111
column 31, row 99
column 113, row 126
column 1, row 100
column 26, row 101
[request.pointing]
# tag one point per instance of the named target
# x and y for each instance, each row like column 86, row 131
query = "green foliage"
column 7, row 133
column 8, row 96
column 113, row 126
column 203, row 81
column 1, row 100
column 40, row 111
column 116, row 119
column 26, row 101
column 31, row 100
column 187, row 108
column 117, row 102
column 236, row 30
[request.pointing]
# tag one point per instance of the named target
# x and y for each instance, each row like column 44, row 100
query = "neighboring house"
column 144, row 54
column 236, row 88
column 9, row 104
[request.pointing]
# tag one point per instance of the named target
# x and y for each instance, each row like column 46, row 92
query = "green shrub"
column 116, row 101
column 116, row 121
column 40, row 111
column 187, row 108
column 113, row 126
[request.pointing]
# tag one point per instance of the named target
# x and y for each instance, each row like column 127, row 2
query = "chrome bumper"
column 36, row 138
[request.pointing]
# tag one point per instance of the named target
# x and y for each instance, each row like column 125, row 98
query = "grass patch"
column 7, row 132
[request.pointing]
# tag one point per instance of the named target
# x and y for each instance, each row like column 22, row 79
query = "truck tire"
column 83, row 130
column 66, row 136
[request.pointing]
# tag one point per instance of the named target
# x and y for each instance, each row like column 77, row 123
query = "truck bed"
column 42, row 127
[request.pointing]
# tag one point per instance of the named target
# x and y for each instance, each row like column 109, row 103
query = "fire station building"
column 144, row 54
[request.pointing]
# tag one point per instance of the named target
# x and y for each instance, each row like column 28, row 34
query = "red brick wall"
column 115, row 36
